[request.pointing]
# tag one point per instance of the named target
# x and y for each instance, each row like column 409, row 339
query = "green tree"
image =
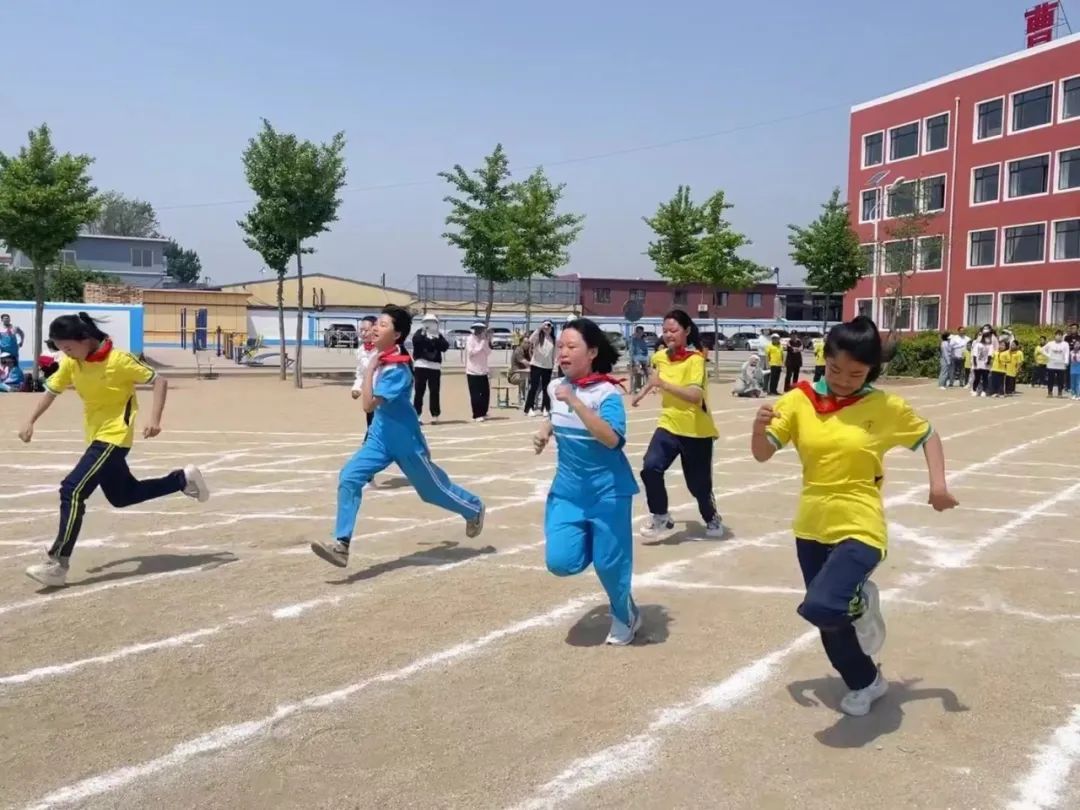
column 902, row 251
column 121, row 216
column 182, row 265
column 678, row 225
column 297, row 184
column 539, row 234
column 482, row 216
column 276, row 253
column 828, row 249
column 45, row 198
column 67, row 282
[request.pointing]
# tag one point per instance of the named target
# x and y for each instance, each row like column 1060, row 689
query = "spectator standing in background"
column 1057, row 364
column 427, row 349
column 1038, row 372
column 792, row 362
column 982, row 352
column 541, row 363
column 519, row 369
column 945, row 361
column 959, row 345
column 477, row 355
column 1074, row 370
column 11, row 337
column 774, row 354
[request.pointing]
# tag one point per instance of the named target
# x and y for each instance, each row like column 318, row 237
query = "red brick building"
column 606, row 297
column 994, row 152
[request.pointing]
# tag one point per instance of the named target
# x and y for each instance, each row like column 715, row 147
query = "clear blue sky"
column 165, row 96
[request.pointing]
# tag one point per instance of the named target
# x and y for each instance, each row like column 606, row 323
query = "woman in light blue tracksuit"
column 394, row 438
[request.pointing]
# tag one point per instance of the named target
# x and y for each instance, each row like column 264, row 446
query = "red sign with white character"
column 1041, row 20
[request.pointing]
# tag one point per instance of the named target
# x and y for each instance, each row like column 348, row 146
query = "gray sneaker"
column 715, row 528
column 52, row 573
column 334, row 552
column 870, row 626
column 620, row 635
column 476, row 525
column 857, row 702
column 196, row 485
column 657, row 526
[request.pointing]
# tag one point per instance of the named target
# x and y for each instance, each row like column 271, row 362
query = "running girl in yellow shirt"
column 841, row 428
column 685, row 429
column 105, row 378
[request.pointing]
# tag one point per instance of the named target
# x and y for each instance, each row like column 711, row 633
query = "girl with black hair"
column 588, row 518
column 394, row 438
column 685, row 430
column 541, row 364
column 841, row 428
column 105, row 379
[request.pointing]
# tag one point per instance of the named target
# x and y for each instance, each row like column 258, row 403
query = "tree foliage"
column 481, row 214
column 828, row 249
column 901, row 253
column 62, row 283
column 182, row 265
column 297, row 184
column 45, row 199
column 123, row 216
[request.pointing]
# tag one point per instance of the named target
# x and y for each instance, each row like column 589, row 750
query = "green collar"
column 822, row 388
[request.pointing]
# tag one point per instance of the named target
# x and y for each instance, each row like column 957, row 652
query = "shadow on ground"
column 150, row 564
column 443, row 553
column 591, row 629
column 886, row 716
column 692, row 532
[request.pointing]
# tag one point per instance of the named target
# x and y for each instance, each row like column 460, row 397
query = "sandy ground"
column 203, row 657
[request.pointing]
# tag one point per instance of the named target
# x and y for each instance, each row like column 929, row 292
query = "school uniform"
column 365, row 356
column 1038, row 373
column 774, row 356
column 395, row 438
column 1013, row 362
column 840, row 524
column 967, row 367
column 819, row 359
column 997, row 373
column 685, row 430
column 106, row 383
column 589, row 508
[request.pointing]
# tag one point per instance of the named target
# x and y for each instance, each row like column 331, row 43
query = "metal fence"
column 558, row 292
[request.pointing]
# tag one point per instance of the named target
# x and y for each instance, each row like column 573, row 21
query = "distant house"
column 132, row 260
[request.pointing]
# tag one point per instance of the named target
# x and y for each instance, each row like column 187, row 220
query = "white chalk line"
column 1041, row 787
column 639, row 752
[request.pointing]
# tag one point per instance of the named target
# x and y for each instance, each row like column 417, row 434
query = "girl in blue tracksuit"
column 394, row 438
column 589, row 507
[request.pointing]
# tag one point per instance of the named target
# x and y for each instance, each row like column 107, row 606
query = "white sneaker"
column 478, row 419
column 858, row 701
column 974, row 393
column 196, row 485
column 620, row 635
column 434, row 420
column 870, row 626
column 52, row 573
column 334, row 552
column 715, row 527
column 657, row 525
column 476, row 525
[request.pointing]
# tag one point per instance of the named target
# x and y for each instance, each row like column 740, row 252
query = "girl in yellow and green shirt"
column 685, row 430
column 105, row 378
column 841, row 428
column 1014, row 361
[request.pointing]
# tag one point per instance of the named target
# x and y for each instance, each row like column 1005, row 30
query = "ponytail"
column 74, row 327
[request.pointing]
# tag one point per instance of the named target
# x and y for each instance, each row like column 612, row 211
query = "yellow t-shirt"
column 1013, row 361
column 774, row 353
column 1040, row 356
column 819, row 352
column 967, row 358
column 998, row 362
column 842, row 459
column 107, row 388
column 677, row 415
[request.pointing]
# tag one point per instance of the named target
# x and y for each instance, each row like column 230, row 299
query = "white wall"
column 121, row 321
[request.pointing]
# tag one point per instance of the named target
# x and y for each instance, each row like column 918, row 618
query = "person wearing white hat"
column 541, row 363
column 428, row 347
column 11, row 376
column 477, row 352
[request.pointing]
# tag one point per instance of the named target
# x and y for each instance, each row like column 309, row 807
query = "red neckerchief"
column 681, row 354
column 368, row 346
column 589, row 379
column 826, row 403
column 101, row 353
column 391, row 356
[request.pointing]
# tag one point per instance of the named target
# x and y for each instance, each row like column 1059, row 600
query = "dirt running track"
column 202, row 657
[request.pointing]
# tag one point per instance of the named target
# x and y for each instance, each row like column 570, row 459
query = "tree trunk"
column 281, row 321
column 490, row 302
column 528, row 305
column 825, row 315
column 39, row 314
column 716, row 339
column 299, row 365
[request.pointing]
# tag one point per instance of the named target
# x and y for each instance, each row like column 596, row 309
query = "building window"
column 680, row 298
column 1020, row 308
column 1068, row 170
column 1070, row 98
column 989, row 119
column 67, row 258
column 904, row 141
column 901, row 199
column 1067, row 240
column 983, row 249
column 1065, row 306
column 753, row 300
column 1029, row 176
column 985, row 184
column 601, row 295
column 868, row 259
column 1025, row 243
column 980, row 309
column 927, row 313
column 873, row 149
column 937, row 133
column 637, row 294
column 868, row 212
column 930, row 250
column 1032, row 108
column 142, row 257
column 864, row 307
column 898, row 258
column 933, row 193
column 888, row 311
column 720, row 298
